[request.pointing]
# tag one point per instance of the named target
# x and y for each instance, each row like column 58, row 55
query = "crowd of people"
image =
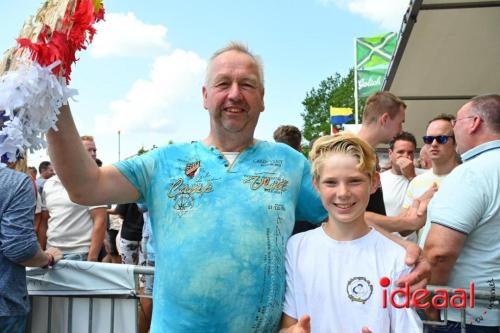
column 215, row 217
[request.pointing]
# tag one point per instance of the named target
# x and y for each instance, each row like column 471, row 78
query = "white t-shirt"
column 337, row 283
column 394, row 187
column 417, row 188
column 70, row 225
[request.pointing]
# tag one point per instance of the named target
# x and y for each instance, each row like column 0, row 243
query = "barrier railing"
column 85, row 297
column 479, row 294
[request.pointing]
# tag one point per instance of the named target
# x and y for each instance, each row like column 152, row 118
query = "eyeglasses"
column 441, row 139
column 455, row 121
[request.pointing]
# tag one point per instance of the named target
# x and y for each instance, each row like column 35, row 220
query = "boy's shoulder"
column 387, row 243
column 304, row 238
column 392, row 253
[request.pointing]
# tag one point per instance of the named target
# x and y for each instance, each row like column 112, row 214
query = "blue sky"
column 144, row 72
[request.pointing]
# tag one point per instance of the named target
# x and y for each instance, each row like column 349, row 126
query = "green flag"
column 373, row 55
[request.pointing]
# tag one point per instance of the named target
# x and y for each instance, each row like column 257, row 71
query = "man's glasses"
column 455, row 121
column 441, row 139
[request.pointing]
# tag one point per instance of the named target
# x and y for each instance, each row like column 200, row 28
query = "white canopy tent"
column 448, row 51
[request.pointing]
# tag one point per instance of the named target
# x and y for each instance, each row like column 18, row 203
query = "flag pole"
column 355, row 82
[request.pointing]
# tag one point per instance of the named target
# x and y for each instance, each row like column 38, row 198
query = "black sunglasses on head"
column 441, row 139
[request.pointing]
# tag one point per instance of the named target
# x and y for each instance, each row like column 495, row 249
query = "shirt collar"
column 471, row 153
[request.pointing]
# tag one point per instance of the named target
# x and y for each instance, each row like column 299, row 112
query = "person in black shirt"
column 131, row 234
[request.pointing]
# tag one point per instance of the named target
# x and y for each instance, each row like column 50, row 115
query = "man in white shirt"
column 395, row 181
column 77, row 230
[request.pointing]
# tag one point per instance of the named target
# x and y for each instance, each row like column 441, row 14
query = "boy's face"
column 344, row 190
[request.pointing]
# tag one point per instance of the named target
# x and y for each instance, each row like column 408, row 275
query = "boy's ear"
column 375, row 182
column 315, row 184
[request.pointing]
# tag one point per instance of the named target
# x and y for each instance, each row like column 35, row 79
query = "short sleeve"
column 290, row 305
column 43, row 201
column 100, row 206
column 465, row 210
column 139, row 171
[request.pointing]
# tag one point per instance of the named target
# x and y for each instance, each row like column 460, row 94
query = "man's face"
column 465, row 119
column 402, row 149
column 91, row 149
column 48, row 172
column 233, row 95
column 441, row 153
column 393, row 127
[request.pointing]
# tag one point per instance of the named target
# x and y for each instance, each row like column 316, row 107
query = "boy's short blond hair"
column 345, row 143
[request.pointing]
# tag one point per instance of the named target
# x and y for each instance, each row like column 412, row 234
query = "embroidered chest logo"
column 267, row 183
column 183, row 193
column 359, row 289
column 192, row 168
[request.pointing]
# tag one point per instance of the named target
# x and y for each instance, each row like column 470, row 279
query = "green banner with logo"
column 373, row 55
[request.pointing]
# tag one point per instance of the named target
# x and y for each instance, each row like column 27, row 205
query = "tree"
column 336, row 91
column 143, row 150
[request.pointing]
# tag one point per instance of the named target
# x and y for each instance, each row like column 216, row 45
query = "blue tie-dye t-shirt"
column 221, row 232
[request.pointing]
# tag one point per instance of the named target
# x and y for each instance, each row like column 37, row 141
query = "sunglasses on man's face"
column 441, row 139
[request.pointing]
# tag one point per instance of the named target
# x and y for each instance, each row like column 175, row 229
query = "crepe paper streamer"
column 30, row 98
column 62, row 44
column 33, row 88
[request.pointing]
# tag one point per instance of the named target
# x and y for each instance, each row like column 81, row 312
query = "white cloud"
column 387, row 13
column 126, row 35
column 152, row 105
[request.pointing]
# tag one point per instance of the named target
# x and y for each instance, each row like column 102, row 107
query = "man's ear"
column 383, row 119
column 205, row 97
column 375, row 182
column 263, row 103
column 475, row 125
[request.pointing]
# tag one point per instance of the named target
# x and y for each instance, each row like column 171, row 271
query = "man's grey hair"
column 238, row 47
column 488, row 108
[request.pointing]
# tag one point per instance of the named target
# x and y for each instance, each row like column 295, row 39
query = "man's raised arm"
column 85, row 182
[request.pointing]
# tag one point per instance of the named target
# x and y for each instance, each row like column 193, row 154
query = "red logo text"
column 421, row 298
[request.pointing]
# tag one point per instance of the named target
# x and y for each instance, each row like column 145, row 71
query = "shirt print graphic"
column 192, row 183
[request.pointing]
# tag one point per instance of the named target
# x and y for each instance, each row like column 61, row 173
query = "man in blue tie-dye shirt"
column 221, row 209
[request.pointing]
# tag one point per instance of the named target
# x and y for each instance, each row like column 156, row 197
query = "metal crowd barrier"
column 479, row 294
column 61, row 304
column 99, row 307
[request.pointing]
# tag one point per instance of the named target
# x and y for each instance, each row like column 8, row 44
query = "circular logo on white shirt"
column 359, row 289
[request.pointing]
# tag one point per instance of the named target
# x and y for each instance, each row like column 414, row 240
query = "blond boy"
column 333, row 272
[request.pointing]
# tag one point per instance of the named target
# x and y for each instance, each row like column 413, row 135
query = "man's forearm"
column 404, row 243
column 98, row 233
column 388, row 223
column 441, row 264
column 40, row 259
column 42, row 230
column 76, row 169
